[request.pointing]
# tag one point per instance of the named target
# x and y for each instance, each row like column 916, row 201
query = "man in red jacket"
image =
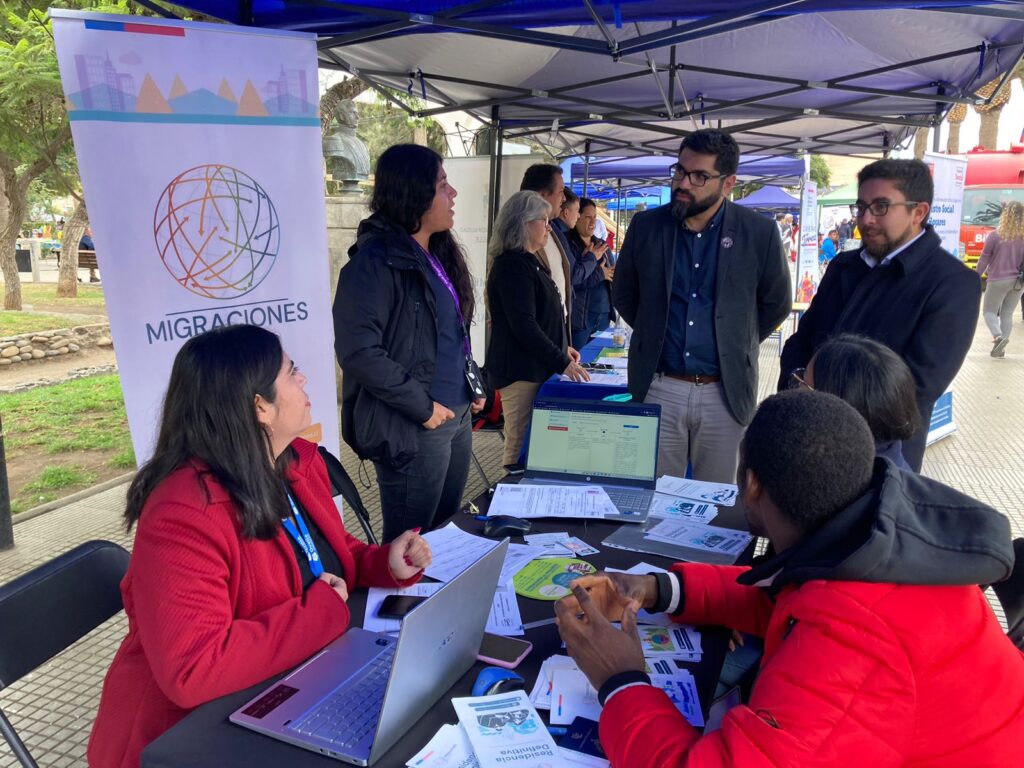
column 880, row 649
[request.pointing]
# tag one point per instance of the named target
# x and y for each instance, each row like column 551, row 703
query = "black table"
column 206, row 738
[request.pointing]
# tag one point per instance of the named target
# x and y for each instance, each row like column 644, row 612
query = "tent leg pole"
column 494, row 201
column 586, row 166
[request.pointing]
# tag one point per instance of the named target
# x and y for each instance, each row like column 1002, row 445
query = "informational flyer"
column 665, row 505
column 696, row 536
column 549, row 578
column 723, row 494
column 506, row 732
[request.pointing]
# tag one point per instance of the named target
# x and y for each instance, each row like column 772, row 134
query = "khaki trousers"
column 517, row 407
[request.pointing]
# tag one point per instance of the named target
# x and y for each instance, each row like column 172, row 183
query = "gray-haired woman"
column 528, row 335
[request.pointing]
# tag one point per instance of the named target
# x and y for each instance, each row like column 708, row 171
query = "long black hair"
column 874, row 380
column 405, row 182
column 209, row 414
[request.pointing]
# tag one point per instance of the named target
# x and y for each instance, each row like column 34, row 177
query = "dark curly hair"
column 911, row 177
column 812, row 453
column 711, row 141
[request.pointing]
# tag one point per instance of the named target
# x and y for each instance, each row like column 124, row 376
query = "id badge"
column 474, row 380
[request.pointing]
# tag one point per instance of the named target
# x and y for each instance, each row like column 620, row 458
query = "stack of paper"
column 676, row 507
column 574, row 501
column 560, row 544
column 709, row 538
column 613, row 378
column 723, row 494
column 563, row 690
column 454, row 551
column 505, row 730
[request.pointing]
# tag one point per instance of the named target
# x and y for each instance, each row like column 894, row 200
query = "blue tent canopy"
column 779, row 170
column 770, row 199
column 631, row 77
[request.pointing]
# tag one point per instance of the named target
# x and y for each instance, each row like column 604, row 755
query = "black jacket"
column 385, row 337
column 753, row 295
column 923, row 306
column 905, row 529
column 528, row 337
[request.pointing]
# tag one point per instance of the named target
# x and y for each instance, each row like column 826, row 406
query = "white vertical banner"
column 948, row 174
column 807, row 256
column 199, row 151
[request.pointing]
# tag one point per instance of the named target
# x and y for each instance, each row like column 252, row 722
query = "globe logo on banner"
column 216, row 231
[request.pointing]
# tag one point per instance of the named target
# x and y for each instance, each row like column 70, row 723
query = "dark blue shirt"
column 690, row 345
column 449, row 384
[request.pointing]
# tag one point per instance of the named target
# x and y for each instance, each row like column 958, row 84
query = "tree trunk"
column 920, row 143
column 74, row 228
column 337, row 93
column 10, row 226
column 988, row 134
column 953, row 140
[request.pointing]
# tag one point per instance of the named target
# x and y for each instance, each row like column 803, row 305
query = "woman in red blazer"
column 241, row 567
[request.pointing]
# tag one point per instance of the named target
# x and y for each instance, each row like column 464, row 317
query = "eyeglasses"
column 797, row 381
column 878, row 207
column 697, row 178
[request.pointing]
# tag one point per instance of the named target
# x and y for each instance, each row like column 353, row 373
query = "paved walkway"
column 53, row 707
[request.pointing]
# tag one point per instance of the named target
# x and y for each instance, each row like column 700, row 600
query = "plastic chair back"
column 342, row 484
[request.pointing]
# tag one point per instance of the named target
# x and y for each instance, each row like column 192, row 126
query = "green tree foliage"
column 382, row 124
column 821, row 174
column 34, row 129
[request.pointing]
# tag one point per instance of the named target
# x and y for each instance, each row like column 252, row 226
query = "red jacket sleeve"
column 838, row 692
column 183, row 598
column 712, row 596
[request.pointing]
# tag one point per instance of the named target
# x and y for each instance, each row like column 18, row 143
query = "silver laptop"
column 583, row 442
column 360, row 694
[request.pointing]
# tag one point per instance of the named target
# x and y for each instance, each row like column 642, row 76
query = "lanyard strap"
column 303, row 539
column 435, row 265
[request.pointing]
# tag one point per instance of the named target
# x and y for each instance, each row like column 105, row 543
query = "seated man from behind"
column 880, row 649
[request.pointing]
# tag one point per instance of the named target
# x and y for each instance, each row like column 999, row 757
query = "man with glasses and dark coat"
column 702, row 282
column 900, row 288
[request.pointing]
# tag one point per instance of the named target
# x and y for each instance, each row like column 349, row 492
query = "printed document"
column 723, row 494
column 506, row 732
column 680, row 508
column 696, row 536
column 450, row 748
column 454, row 551
column 527, row 501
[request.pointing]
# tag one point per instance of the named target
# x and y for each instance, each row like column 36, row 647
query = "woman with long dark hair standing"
column 241, row 567
column 401, row 333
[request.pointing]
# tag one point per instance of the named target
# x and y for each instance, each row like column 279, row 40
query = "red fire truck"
column 994, row 178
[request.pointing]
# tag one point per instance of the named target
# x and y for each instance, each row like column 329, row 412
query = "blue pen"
column 555, row 730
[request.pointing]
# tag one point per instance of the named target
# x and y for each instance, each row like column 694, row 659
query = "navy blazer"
column 753, row 295
column 923, row 306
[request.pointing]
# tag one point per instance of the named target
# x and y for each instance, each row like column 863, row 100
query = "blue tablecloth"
column 555, row 387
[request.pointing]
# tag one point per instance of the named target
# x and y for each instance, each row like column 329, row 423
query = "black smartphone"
column 396, row 606
column 503, row 651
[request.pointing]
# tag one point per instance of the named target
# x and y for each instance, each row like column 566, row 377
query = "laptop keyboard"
column 630, row 501
column 350, row 712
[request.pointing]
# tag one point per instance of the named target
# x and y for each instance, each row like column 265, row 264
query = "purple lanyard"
column 439, row 271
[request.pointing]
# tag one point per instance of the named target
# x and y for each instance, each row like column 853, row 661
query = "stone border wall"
column 40, row 346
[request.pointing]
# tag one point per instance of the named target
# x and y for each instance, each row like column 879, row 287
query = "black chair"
column 1011, row 596
column 342, row 484
column 47, row 609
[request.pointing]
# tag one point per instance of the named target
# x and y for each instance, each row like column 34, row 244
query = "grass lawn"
column 42, row 297
column 14, row 323
column 63, row 438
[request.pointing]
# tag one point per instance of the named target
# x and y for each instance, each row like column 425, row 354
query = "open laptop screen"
column 612, row 440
